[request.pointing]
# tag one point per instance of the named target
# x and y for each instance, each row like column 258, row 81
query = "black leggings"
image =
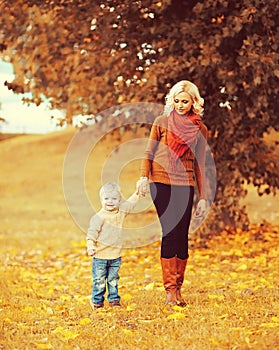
column 174, row 208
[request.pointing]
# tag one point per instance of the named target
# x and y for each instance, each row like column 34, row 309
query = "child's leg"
column 99, row 273
column 113, row 278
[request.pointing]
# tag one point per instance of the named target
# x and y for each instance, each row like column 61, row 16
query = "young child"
column 104, row 243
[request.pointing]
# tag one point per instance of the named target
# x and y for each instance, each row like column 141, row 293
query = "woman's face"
column 182, row 103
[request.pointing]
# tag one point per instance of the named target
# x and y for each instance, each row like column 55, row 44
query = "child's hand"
column 142, row 186
column 91, row 252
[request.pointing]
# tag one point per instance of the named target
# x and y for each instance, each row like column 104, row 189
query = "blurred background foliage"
column 86, row 56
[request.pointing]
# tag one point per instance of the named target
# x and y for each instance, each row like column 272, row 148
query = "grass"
column 231, row 286
column 232, row 297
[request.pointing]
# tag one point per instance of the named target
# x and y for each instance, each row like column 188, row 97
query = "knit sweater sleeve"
column 93, row 232
column 153, row 140
column 128, row 205
column 199, row 164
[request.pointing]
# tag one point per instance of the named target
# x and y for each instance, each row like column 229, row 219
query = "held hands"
column 142, row 186
column 201, row 208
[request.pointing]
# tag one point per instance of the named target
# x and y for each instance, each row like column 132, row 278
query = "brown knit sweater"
column 189, row 169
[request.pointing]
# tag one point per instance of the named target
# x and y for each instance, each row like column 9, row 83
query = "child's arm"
column 93, row 233
column 128, row 205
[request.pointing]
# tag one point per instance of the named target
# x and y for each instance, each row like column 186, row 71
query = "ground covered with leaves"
column 231, row 284
column 231, row 288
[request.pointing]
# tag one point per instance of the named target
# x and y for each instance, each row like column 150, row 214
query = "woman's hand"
column 201, row 208
column 142, row 186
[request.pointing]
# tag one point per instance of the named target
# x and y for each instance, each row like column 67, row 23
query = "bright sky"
column 20, row 117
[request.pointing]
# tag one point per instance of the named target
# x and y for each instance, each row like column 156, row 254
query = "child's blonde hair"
column 110, row 187
column 191, row 89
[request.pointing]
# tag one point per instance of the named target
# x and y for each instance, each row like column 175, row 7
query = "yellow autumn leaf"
column 216, row 296
column 65, row 333
column 223, row 316
column 146, row 321
column 214, row 341
column 242, row 267
column 44, row 346
column 50, row 290
column 257, row 288
column 275, row 319
column 65, row 297
column 261, row 259
column 49, row 311
column 238, row 252
column 127, row 331
column 22, row 325
column 149, row 286
column 233, row 275
column 126, row 296
column 84, row 321
column 81, row 299
column 130, row 308
column 269, row 325
column 247, row 340
column 178, row 308
column 133, row 252
column 28, row 308
column 176, row 316
column 60, row 273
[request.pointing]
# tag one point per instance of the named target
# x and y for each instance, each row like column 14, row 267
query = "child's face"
column 110, row 200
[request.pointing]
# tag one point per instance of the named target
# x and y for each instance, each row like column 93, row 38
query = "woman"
column 174, row 161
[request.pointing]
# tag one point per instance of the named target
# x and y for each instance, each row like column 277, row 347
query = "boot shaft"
column 169, row 272
column 181, row 267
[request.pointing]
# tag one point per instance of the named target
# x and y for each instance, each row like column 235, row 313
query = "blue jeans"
column 105, row 272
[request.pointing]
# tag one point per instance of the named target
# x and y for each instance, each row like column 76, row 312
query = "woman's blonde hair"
column 191, row 89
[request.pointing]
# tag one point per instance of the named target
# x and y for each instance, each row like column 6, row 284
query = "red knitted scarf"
column 182, row 133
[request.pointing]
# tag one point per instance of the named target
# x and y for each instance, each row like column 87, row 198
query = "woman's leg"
column 183, row 203
column 174, row 207
column 161, row 195
column 184, row 198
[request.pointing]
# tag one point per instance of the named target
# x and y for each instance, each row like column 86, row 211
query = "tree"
column 86, row 56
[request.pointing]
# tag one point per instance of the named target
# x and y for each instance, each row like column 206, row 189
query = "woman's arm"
column 153, row 140
column 199, row 163
column 199, row 169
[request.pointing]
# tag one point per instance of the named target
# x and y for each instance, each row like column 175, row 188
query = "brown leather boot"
column 181, row 266
column 169, row 278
